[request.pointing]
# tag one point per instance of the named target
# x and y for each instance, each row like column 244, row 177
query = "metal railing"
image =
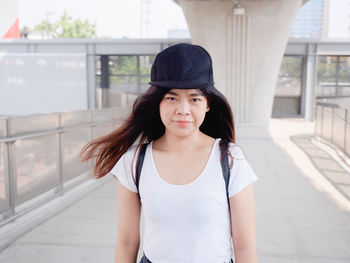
column 333, row 89
column 332, row 126
column 39, row 155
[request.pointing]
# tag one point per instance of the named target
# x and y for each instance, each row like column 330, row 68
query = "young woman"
column 189, row 214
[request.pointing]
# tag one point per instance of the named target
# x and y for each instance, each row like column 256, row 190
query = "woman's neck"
column 181, row 143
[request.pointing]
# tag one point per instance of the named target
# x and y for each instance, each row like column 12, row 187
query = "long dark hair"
column 144, row 123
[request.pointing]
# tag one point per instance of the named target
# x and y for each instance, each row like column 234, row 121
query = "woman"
column 188, row 126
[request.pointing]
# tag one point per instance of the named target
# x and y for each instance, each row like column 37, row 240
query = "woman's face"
column 182, row 111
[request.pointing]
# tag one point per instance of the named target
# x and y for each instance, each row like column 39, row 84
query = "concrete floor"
column 302, row 203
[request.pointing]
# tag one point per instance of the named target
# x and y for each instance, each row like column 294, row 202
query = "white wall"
column 42, row 83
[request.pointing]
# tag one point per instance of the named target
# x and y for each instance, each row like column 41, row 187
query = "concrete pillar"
column 91, row 76
column 247, row 50
column 310, row 82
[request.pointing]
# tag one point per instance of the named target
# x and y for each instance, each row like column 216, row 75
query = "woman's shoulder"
column 130, row 153
column 127, row 158
column 236, row 151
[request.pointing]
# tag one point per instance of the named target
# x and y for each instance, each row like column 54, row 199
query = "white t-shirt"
column 186, row 223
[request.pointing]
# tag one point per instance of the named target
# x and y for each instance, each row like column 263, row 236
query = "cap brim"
column 181, row 84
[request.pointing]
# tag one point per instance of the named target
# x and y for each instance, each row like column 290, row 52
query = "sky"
column 114, row 18
column 339, row 18
column 122, row 18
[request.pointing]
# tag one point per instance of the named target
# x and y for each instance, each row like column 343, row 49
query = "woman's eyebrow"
column 172, row 93
column 196, row 94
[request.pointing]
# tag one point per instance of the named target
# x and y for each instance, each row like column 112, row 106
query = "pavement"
column 302, row 206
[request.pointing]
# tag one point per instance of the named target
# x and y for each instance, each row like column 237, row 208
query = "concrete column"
column 310, row 82
column 247, row 50
column 91, row 76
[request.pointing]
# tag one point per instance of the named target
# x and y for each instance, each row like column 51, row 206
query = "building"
column 311, row 20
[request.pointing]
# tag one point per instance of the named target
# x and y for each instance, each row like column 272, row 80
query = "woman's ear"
column 208, row 108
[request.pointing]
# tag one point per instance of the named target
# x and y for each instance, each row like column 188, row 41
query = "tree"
column 46, row 29
column 66, row 27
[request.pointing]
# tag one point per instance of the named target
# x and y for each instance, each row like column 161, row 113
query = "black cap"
column 182, row 66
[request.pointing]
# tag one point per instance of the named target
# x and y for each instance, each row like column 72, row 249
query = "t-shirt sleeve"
column 242, row 173
column 122, row 170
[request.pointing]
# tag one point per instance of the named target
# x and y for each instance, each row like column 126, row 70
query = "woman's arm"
column 243, row 225
column 128, row 234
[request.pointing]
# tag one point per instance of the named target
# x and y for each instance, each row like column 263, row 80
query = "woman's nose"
column 183, row 108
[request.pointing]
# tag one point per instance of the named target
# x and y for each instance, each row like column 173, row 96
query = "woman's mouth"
column 183, row 123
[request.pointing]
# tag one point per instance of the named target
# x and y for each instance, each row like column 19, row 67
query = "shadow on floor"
column 325, row 163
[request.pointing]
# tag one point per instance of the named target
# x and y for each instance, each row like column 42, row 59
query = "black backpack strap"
column 139, row 165
column 225, row 170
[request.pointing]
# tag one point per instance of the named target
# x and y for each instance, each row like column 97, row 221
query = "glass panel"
column 327, row 123
column 33, row 123
column 146, row 64
column 323, row 90
column 131, row 99
column 144, row 83
column 3, row 129
column 145, row 80
column 289, row 80
column 120, row 113
column 339, row 129
column 123, row 83
column 72, row 143
column 347, row 140
column 340, row 112
column 74, row 118
column 122, row 65
column 98, row 65
column 116, row 98
column 102, row 130
column 98, row 81
column 99, row 101
column 42, row 83
column 344, row 70
column 344, row 91
column 36, row 166
column 102, row 115
column 326, row 69
column 318, row 124
column 288, row 86
column 285, row 106
column 326, row 76
column 291, row 66
column 344, row 76
column 4, row 200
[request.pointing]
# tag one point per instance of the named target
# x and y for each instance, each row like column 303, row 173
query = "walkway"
column 303, row 213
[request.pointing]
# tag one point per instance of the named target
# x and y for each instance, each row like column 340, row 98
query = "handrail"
column 331, row 126
column 52, row 174
column 51, row 131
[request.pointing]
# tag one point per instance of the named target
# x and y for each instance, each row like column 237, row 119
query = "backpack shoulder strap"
column 139, row 165
column 225, row 169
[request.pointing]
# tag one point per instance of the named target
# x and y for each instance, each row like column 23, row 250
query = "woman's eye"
column 170, row 98
column 195, row 99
